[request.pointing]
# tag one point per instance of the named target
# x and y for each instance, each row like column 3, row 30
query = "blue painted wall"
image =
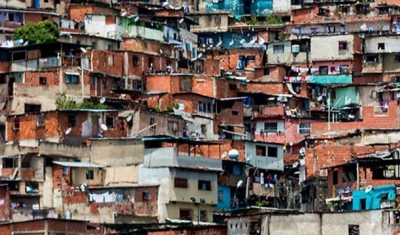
column 226, row 202
column 373, row 198
column 257, row 7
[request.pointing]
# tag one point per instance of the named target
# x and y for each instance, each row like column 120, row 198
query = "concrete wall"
column 121, row 175
column 78, row 176
column 264, row 162
column 209, row 23
column 391, row 44
column 117, row 152
column 326, row 48
column 103, row 26
column 370, row 223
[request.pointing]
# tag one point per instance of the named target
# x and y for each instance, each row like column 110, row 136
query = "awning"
column 174, row 42
column 78, row 164
column 72, row 73
column 336, row 199
column 233, row 98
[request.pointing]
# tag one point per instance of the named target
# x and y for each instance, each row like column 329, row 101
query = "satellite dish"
column 161, row 51
column 68, row 131
column 239, row 183
column 181, row 21
column 302, row 151
column 102, row 100
column 224, row 154
column 165, row 3
column 233, row 154
column 368, row 189
column 25, row 43
column 261, row 41
column 83, row 50
column 231, row 43
column 103, row 127
column 200, row 55
column 136, row 19
column 219, row 43
column 129, row 118
column 242, row 41
column 295, row 165
column 123, row 13
column 253, row 41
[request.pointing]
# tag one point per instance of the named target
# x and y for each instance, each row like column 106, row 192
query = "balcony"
column 31, row 214
column 230, row 180
column 266, row 111
column 12, row 173
column 44, row 63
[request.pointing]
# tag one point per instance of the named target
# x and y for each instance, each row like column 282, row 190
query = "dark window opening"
column 19, row 55
column 110, row 121
column 89, row 174
column 381, row 46
column 397, row 58
column 335, row 178
column 363, row 204
column 42, row 80
column 372, row 58
column 261, row 151
column 135, row 61
column 203, row 216
column 271, row 127
column 204, row 185
column 16, row 124
column 232, row 87
column 11, row 17
column 32, row 108
column 272, row 152
column 342, row 45
column 180, row 183
column 146, row 196
column 71, row 78
column 185, row 214
column 235, row 113
column 323, row 70
column 71, row 120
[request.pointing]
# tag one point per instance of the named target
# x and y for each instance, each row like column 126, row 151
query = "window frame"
column 204, row 185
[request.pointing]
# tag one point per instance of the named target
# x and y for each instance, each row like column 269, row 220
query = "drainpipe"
column 358, row 175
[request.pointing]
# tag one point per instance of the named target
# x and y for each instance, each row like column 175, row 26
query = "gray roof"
column 78, row 164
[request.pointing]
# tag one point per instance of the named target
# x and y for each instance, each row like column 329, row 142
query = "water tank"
column 295, row 48
column 233, row 154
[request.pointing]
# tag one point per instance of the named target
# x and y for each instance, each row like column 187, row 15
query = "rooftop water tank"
column 295, row 48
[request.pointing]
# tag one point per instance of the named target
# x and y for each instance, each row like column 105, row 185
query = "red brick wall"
column 68, row 226
column 269, row 88
column 32, row 78
column 5, row 229
column 146, row 207
column 78, row 12
column 4, row 67
column 34, row 18
column 301, row 16
column 370, row 120
column 203, row 85
column 211, row 67
column 29, row 226
column 223, row 90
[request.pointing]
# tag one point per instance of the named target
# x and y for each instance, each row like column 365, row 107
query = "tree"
column 36, row 33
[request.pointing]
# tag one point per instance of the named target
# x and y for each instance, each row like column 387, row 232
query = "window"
column 220, row 195
column 204, row 107
column 71, row 78
column 42, row 80
column 372, row 58
column 89, row 174
column 65, row 170
column 261, row 151
column 397, row 58
column 172, row 126
column 323, row 70
column 203, row 216
column 40, row 121
column 16, row 124
column 343, row 69
column 381, row 46
column 304, row 128
column 363, row 204
column 185, row 214
column 342, row 45
column 278, row 49
column 18, row 55
column 151, row 63
column 71, row 120
column 267, row 71
column 235, row 113
column 203, row 128
column 135, row 61
column 271, row 127
column 335, row 177
column 92, row 81
column 180, row 183
column 204, row 185
column 232, row 87
column 272, row 152
column 110, row 121
column 11, row 17
column 32, row 108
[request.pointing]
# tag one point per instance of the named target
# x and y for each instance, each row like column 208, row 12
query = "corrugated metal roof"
column 78, row 164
